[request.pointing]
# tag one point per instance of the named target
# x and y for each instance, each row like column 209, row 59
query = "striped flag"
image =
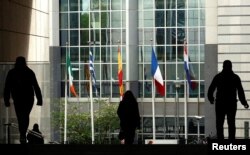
column 189, row 72
column 156, row 73
column 120, row 72
column 92, row 72
column 69, row 68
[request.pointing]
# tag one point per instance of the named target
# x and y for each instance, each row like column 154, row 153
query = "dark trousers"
column 228, row 111
column 23, row 109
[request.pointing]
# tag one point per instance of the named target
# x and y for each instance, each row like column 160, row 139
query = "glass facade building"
column 103, row 26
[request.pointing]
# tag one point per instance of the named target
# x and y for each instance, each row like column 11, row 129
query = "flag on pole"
column 92, row 72
column 120, row 73
column 156, row 73
column 69, row 68
column 189, row 72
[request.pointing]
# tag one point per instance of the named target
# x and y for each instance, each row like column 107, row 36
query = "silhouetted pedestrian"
column 129, row 116
column 35, row 135
column 21, row 84
column 227, row 85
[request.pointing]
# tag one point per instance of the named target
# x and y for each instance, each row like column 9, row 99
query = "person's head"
column 35, row 127
column 227, row 65
column 20, row 62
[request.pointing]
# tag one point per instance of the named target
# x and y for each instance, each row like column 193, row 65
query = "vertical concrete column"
column 132, row 46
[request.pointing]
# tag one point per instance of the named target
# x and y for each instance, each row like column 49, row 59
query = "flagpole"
column 185, row 110
column 153, row 101
column 65, row 99
column 91, row 104
column 153, row 108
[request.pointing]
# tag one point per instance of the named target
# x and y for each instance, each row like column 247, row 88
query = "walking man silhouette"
column 21, row 84
column 228, row 85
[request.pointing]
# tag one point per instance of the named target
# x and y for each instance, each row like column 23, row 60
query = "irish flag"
column 156, row 73
column 120, row 73
column 71, row 86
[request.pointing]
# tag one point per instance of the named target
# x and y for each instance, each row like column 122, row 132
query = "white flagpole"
column 91, row 102
column 185, row 110
column 65, row 99
column 91, row 110
column 153, row 108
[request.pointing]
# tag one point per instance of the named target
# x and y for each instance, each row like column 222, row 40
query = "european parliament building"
column 46, row 31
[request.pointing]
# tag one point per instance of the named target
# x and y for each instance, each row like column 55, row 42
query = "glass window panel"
column 115, row 89
column 105, row 36
column 73, row 5
column 105, row 71
column 84, row 37
column 171, row 92
column 170, row 4
column 160, row 53
column 74, row 20
column 104, row 4
column 193, row 18
column 193, row 36
column 180, row 35
column 160, row 36
column 75, row 71
column 116, row 4
column 63, row 52
column 202, row 53
column 95, row 20
column 116, row 36
column 147, row 72
column 193, row 53
column 116, row 19
column 148, row 4
column 97, row 71
column 106, row 89
column 123, row 19
column 202, row 89
column 159, row 125
column 63, row 20
column 147, row 124
column 202, row 35
column 63, row 37
column 148, row 19
column 147, row 53
column 84, row 20
column 105, row 21
column 95, row 35
column 84, row 6
column 170, row 18
column 202, row 70
column 105, row 54
column 159, row 18
column 140, row 54
column 181, row 18
column 180, row 71
column 148, row 36
column 94, row 4
column 170, row 36
column 74, row 37
column 181, row 4
column 170, row 53
column 180, row 51
column 85, row 89
column 63, row 5
column 74, row 54
column 193, row 3
column 202, row 17
column 84, row 54
column 171, row 71
column 159, row 4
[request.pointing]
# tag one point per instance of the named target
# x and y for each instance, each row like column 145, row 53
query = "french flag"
column 186, row 64
column 156, row 73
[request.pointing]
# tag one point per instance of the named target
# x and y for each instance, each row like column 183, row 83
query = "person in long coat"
column 128, row 112
column 21, row 85
column 227, row 85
